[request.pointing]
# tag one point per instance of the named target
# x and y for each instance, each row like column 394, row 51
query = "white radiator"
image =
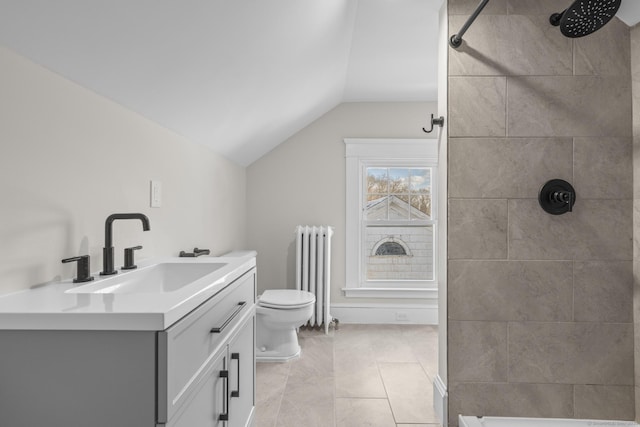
column 313, row 267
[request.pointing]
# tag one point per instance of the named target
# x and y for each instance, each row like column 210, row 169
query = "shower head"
column 584, row 17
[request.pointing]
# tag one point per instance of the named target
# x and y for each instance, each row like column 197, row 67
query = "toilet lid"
column 286, row 298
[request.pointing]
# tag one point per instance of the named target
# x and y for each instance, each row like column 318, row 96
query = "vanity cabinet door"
column 208, row 406
column 186, row 347
column 242, row 376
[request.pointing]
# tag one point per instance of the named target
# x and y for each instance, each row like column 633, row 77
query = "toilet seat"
column 286, row 299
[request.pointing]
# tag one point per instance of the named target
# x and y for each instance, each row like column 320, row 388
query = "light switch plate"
column 156, row 194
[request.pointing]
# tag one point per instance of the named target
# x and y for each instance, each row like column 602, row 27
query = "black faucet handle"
column 199, row 252
column 196, row 252
column 83, row 270
column 129, row 263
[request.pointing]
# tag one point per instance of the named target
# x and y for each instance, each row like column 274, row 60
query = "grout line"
column 506, row 106
column 573, row 291
column 508, row 354
column 508, row 230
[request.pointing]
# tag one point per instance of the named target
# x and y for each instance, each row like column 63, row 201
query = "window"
column 391, row 248
column 391, row 221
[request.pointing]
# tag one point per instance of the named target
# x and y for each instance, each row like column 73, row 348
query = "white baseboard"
column 440, row 400
column 402, row 314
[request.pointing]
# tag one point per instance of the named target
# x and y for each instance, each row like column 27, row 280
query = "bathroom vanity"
column 124, row 351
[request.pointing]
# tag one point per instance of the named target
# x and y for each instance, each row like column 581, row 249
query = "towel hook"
column 439, row 122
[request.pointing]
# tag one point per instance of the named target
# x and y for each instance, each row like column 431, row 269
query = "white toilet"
column 279, row 313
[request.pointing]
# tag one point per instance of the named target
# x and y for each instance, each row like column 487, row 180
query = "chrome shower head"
column 584, row 17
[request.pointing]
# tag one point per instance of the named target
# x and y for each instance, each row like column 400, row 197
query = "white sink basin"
column 159, row 278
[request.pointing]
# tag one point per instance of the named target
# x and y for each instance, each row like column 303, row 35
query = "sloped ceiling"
column 239, row 76
column 629, row 12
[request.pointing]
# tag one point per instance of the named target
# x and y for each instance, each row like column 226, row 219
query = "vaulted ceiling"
column 239, row 76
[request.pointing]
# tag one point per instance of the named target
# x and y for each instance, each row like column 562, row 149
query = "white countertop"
column 49, row 307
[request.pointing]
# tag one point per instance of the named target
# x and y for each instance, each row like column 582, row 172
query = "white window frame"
column 362, row 153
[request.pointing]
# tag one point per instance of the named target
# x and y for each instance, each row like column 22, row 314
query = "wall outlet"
column 402, row 316
column 156, row 194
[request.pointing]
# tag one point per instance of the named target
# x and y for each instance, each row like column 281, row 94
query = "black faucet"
column 83, row 269
column 107, row 251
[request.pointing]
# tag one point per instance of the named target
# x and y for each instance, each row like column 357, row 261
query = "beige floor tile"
column 352, row 339
column 394, row 350
column 395, row 343
column 338, row 380
column 316, row 358
column 308, row 402
column 271, row 379
column 364, row 413
column 410, row 392
column 424, row 345
column 267, row 411
column 359, row 380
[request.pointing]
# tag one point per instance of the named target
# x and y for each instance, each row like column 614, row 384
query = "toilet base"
column 276, row 345
column 272, row 356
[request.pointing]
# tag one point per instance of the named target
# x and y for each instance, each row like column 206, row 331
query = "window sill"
column 428, row 293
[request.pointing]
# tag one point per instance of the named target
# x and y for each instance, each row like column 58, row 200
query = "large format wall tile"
column 636, row 157
column 604, row 402
column 568, row 106
column 636, row 334
column 511, row 45
column 571, row 353
column 603, row 168
column 637, row 400
column 506, row 168
column 477, row 229
column 603, row 291
column 608, row 53
column 477, row 351
column 480, row 108
column 595, row 229
column 603, row 230
column 467, row 7
column 536, row 7
column 635, row 78
column 479, row 53
column 510, row 400
column 636, row 302
column 510, row 290
column 534, row 234
column 563, row 287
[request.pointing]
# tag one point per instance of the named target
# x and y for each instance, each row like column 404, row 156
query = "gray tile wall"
column 540, row 306
column 635, row 78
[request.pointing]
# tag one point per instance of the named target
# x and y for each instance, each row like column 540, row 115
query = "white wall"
column 69, row 158
column 302, row 181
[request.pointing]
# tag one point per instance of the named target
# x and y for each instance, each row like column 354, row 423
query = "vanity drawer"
column 185, row 347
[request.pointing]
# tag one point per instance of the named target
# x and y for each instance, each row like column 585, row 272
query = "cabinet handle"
column 225, row 405
column 236, row 356
column 219, row 329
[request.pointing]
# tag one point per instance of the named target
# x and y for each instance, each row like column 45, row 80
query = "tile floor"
column 358, row 375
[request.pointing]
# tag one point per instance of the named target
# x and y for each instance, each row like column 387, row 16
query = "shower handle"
column 557, row 197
